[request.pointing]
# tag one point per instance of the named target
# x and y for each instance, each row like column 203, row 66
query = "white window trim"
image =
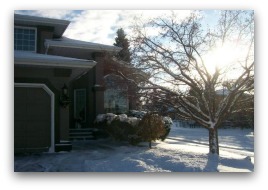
column 80, row 89
column 52, row 105
column 34, row 28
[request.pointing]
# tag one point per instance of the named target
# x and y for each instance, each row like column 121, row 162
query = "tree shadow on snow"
column 213, row 162
column 238, row 163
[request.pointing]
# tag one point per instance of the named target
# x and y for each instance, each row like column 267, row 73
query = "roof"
column 130, row 67
column 36, row 59
column 59, row 25
column 71, row 43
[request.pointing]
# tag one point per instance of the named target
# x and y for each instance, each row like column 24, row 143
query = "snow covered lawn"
column 185, row 150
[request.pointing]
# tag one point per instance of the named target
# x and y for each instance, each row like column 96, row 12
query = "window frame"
column 35, row 33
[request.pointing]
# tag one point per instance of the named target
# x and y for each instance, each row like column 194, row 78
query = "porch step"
column 81, row 134
column 63, row 146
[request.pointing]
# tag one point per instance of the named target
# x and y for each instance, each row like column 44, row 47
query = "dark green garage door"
column 32, row 120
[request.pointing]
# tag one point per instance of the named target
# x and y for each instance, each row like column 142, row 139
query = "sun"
column 224, row 57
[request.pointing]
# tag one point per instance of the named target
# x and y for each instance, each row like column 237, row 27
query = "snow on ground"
column 185, row 150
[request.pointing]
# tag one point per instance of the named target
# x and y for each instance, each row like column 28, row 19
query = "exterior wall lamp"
column 64, row 98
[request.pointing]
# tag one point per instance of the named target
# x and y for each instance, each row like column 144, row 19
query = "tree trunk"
column 213, row 141
column 150, row 144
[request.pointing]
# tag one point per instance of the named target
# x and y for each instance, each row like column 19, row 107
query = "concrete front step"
column 81, row 138
column 63, row 146
column 81, row 134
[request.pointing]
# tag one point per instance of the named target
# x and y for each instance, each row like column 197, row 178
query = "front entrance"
column 79, row 107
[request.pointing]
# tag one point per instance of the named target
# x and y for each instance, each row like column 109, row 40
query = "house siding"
column 98, row 87
column 42, row 34
column 71, row 52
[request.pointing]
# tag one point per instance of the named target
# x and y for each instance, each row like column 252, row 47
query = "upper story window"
column 25, row 39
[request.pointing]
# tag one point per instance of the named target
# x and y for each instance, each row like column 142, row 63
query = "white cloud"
column 58, row 14
column 100, row 26
column 95, row 26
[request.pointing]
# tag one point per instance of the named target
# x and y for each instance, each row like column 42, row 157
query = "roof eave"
column 54, row 64
column 27, row 18
column 51, row 43
column 41, row 62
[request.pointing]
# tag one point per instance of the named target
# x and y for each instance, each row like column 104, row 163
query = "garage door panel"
column 20, row 104
column 32, row 114
column 20, row 135
column 38, row 131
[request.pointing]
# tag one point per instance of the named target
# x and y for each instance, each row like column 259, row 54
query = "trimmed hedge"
column 132, row 129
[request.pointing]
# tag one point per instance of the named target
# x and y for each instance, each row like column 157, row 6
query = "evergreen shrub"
column 132, row 129
column 151, row 128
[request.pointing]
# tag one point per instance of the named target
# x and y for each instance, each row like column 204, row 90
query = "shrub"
column 151, row 128
column 119, row 127
column 132, row 129
column 137, row 114
column 168, row 123
column 101, row 123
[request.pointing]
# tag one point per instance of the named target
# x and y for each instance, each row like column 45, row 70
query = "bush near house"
column 152, row 128
column 119, row 127
column 135, row 113
column 132, row 129
column 168, row 123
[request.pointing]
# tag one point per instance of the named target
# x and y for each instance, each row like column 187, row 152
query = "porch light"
column 64, row 98
column 64, row 90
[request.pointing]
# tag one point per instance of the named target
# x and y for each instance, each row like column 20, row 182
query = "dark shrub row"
column 149, row 128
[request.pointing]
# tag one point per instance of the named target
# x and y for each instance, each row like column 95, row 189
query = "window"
column 115, row 95
column 115, row 101
column 80, row 105
column 25, row 39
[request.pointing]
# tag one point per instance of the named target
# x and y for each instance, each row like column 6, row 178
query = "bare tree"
column 176, row 56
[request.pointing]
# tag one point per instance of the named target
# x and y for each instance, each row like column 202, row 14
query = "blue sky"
column 100, row 26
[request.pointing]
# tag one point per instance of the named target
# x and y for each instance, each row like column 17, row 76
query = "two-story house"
column 58, row 83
